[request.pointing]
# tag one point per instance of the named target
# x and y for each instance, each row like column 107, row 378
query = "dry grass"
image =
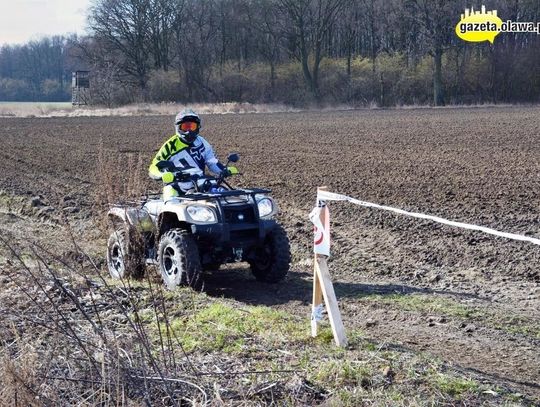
column 119, row 177
column 19, row 382
column 77, row 339
column 171, row 109
column 146, row 109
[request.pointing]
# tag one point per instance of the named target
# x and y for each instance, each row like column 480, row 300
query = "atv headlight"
column 266, row 207
column 201, row 214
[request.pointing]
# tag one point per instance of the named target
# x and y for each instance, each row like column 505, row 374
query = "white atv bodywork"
column 147, row 217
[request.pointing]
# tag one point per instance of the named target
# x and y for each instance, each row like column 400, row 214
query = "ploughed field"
column 468, row 300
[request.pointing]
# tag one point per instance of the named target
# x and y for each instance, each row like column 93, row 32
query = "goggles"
column 188, row 126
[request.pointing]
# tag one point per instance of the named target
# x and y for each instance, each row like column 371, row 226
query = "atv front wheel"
column 178, row 258
column 124, row 255
column 270, row 263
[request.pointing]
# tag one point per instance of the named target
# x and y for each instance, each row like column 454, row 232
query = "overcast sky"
column 24, row 20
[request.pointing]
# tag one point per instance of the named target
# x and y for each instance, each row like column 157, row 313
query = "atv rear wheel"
column 125, row 256
column 178, row 258
column 270, row 263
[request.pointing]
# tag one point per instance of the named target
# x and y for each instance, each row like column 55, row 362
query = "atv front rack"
column 198, row 196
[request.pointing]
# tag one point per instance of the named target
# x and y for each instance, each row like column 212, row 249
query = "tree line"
column 36, row 71
column 356, row 52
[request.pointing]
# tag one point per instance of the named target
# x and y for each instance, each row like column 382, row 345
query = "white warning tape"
column 330, row 196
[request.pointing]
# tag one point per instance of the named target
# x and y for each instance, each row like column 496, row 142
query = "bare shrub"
column 164, row 86
column 19, row 384
column 80, row 340
column 119, row 177
column 107, row 88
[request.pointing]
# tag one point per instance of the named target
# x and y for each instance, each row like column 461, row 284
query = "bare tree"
column 196, row 48
column 309, row 23
column 165, row 17
column 437, row 19
column 265, row 22
column 123, row 26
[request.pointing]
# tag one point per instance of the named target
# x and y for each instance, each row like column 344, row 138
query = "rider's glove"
column 227, row 172
column 167, row 177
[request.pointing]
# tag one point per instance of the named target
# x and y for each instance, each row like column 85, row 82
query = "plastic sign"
column 479, row 26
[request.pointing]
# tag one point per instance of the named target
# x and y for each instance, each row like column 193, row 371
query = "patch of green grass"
column 376, row 397
column 324, row 336
column 514, row 397
column 427, row 303
column 434, row 379
column 457, row 387
column 519, row 326
column 343, row 373
column 5, row 199
column 220, row 327
column 14, row 203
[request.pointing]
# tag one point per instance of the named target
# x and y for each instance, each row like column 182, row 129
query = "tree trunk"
column 382, row 101
column 438, row 97
column 349, row 57
column 315, row 75
column 272, row 79
column 188, row 85
column 305, row 66
column 315, row 82
column 308, row 78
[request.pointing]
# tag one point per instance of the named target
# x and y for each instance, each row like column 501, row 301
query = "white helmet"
column 188, row 132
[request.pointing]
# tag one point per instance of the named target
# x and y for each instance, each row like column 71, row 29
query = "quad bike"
column 210, row 225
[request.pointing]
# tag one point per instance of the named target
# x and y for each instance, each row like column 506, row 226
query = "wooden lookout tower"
column 80, row 88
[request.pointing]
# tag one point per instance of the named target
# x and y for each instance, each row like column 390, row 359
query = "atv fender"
column 174, row 210
column 265, row 227
column 179, row 210
column 138, row 218
column 171, row 220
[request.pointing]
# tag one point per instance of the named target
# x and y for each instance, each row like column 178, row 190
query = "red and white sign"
column 320, row 217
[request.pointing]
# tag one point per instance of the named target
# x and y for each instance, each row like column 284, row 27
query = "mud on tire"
column 125, row 254
column 270, row 263
column 178, row 258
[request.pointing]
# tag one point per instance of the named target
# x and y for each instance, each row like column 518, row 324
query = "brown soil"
column 480, row 166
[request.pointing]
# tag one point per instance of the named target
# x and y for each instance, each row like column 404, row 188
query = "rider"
column 186, row 150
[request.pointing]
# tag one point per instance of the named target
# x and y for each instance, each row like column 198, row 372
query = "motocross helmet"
column 187, row 125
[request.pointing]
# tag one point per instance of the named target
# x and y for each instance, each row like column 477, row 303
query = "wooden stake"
column 317, row 292
column 321, row 270
column 324, row 289
column 317, row 301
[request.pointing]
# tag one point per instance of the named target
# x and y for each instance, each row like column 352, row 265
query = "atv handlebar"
column 181, row 174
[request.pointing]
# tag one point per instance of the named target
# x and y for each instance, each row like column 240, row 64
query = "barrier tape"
column 330, row 196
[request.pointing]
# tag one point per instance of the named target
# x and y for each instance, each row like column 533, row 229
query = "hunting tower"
column 80, row 88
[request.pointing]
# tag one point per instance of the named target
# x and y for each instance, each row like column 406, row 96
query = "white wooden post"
column 323, row 287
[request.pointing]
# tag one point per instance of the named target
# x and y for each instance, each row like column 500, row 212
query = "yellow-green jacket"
column 197, row 155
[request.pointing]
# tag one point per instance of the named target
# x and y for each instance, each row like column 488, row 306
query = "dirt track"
column 472, row 300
